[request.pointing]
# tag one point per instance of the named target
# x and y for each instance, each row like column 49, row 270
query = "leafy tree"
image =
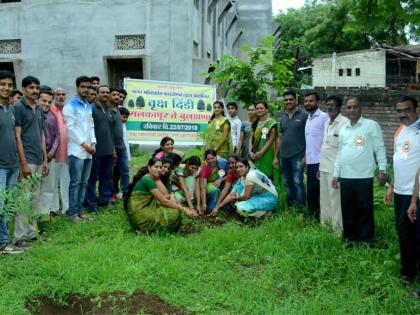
column 131, row 103
column 140, row 103
column 201, row 105
column 249, row 81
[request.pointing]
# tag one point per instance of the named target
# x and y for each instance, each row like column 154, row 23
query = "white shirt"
column 406, row 157
column 80, row 127
column 127, row 145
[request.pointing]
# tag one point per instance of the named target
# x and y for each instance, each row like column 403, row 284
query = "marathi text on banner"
column 158, row 109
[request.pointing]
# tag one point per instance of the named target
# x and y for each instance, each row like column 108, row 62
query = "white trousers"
column 330, row 203
column 47, row 190
column 62, row 182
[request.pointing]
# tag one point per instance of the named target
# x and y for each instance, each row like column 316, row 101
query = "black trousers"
column 357, row 209
column 312, row 189
column 406, row 236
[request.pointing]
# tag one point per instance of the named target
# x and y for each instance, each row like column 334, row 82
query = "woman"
column 184, row 180
column 210, row 177
column 218, row 133
column 166, row 148
column 262, row 143
column 231, row 178
column 246, row 132
column 254, row 194
column 164, row 182
column 146, row 206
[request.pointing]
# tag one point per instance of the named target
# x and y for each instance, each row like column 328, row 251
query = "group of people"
column 73, row 145
column 66, row 147
column 340, row 156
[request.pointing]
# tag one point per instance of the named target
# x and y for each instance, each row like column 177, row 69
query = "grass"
column 281, row 266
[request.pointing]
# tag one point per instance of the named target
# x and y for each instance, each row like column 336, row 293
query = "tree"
column 252, row 80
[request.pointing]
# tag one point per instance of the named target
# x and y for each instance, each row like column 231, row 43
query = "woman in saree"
column 184, row 181
column 246, row 133
column 230, row 179
column 166, row 148
column 218, row 133
column 253, row 195
column 164, row 180
column 262, row 142
column 147, row 208
column 211, row 176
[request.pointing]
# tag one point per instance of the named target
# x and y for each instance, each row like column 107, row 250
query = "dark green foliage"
column 209, row 107
column 201, row 105
column 131, row 103
column 140, row 103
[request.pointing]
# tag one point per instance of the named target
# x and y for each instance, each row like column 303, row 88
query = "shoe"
column 113, row 199
column 85, row 217
column 406, row 280
column 75, row 219
column 53, row 214
column 10, row 250
column 23, row 245
column 120, row 195
column 415, row 294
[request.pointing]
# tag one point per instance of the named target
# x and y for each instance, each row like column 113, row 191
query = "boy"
column 235, row 125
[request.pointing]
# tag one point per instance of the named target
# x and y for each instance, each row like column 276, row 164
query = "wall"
column 370, row 62
column 378, row 104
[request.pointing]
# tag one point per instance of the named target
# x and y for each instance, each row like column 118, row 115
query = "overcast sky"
column 283, row 5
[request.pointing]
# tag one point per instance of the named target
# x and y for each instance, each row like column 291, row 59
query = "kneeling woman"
column 147, row 207
column 254, row 194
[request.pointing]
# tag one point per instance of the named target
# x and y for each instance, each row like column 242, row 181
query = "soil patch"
column 106, row 303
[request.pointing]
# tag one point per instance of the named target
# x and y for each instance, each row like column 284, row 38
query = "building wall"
column 371, row 64
column 62, row 39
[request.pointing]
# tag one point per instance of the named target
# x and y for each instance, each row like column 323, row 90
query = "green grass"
column 281, row 266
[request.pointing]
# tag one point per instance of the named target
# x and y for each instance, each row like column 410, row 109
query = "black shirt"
column 103, row 120
column 293, row 134
column 8, row 152
column 118, row 130
column 32, row 124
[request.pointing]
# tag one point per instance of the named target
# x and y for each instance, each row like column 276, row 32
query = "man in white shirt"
column 235, row 124
column 329, row 197
column 81, row 146
column 358, row 142
column 406, row 163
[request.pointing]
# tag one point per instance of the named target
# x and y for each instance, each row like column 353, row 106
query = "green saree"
column 146, row 213
column 215, row 138
column 261, row 136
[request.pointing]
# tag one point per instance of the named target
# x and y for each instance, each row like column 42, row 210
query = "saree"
column 146, row 213
column 214, row 137
column 261, row 136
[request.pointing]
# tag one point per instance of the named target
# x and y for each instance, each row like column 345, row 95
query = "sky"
column 285, row 4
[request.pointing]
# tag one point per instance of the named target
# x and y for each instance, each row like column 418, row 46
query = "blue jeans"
column 8, row 179
column 293, row 175
column 122, row 165
column 79, row 170
column 101, row 170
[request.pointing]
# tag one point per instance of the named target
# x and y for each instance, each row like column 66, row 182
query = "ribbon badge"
column 359, row 141
column 264, row 133
column 406, row 147
column 217, row 126
column 221, row 173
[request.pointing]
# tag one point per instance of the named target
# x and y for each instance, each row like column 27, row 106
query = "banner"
column 158, row 109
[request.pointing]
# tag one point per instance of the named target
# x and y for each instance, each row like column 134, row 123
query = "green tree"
column 131, row 103
column 140, row 103
column 249, row 81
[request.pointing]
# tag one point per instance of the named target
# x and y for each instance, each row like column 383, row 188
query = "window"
column 357, row 72
column 349, row 72
column 340, row 72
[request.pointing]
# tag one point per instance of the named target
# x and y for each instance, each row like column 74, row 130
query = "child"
column 235, row 125
column 125, row 113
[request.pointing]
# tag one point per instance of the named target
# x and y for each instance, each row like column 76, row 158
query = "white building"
column 377, row 67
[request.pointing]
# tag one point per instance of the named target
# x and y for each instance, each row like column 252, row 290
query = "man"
column 62, row 177
column 290, row 149
column 235, row 124
column 52, row 141
column 30, row 141
column 406, row 163
column 121, row 162
column 330, row 203
column 9, row 163
column 91, row 96
column 96, row 81
column 314, row 135
column 81, row 146
column 359, row 141
column 102, row 162
column 15, row 96
column 123, row 96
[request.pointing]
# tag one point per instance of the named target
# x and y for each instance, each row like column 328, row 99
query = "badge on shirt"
column 264, row 133
column 405, row 149
column 359, row 141
column 221, row 173
column 217, row 126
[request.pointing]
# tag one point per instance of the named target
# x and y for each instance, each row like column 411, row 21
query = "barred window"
column 130, row 42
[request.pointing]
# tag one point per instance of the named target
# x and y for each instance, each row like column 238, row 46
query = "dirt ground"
column 105, row 304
